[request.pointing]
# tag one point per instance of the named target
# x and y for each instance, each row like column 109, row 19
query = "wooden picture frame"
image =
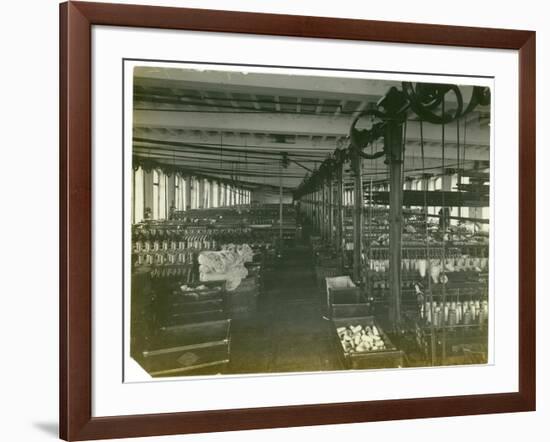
column 76, row 21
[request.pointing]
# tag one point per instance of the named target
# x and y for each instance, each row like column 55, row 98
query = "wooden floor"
column 288, row 333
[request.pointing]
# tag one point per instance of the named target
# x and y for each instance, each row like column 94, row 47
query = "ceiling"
column 237, row 124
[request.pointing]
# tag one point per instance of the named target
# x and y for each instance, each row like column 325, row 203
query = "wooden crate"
column 188, row 349
column 390, row 357
column 323, row 272
column 205, row 304
column 202, row 311
column 341, row 290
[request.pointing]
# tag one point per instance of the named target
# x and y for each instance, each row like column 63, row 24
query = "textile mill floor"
column 288, row 332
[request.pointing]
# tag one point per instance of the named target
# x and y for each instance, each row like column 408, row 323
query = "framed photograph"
column 274, row 220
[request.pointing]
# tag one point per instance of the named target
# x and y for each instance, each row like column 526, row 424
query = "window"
column 163, row 196
column 180, row 191
column 198, row 193
column 215, row 194
column 228, row 195
column 217, row 202
column 209, row 193
column 184, row 192
column 195, row 194
column 139, row 195
column 351, row 197
column 205, row 193
column 156, row 194
column 160, row 195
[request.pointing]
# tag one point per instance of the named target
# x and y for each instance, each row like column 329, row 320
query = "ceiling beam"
column 305, row 86
column 321, row 125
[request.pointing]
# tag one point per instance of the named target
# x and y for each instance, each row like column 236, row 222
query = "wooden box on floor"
column 188, row 332
column 203, row 303
column 190, row 349
column 326, row 271
column 341, row 290
column 390, row 357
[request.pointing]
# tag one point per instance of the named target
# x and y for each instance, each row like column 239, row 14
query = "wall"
column 29, row 78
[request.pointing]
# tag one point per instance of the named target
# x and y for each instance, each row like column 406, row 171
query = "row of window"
column 155, row 194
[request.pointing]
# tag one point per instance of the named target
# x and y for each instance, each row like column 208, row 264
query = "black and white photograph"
column 307, row 220
column 236, row 221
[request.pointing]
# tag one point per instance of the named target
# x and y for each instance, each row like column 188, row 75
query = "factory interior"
column 312, row 221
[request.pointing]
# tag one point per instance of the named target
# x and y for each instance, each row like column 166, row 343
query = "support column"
column 321, row 209
column 330, row 209
column 393, row 144
column 357, row 216
column 339, row 207
column 316, row 211
column 280, row 210
column 312, row 210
